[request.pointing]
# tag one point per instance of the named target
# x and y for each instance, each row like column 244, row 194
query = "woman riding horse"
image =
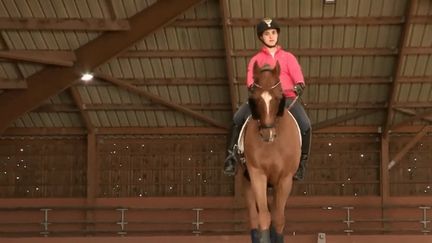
column 292, row 82
column 272, row 148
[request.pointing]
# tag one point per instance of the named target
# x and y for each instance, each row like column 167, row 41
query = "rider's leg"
column 304, row 123
column 239, row 118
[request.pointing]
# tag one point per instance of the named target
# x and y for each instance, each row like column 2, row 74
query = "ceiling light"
column 87, row 77
column 329, row 1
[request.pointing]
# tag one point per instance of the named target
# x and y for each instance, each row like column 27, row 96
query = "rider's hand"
column 298, row 89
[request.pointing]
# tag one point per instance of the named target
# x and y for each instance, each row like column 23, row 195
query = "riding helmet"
column 265, row 24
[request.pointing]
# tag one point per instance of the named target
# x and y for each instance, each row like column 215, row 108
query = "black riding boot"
column 231, row 159
column 306, row 140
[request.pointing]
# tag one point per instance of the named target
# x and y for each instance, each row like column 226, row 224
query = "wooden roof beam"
column 84, row 24
column 52, row 80
column 390, row 20
column 366, row 129
column 343, row 118
column 415, row 117
column 410, row 9
column 223, row 8
column 124, row 107
column 329, row 52
column 158, row 100
column 12, row 84
column 78, row 131
column 82, row 109
column 58, row 58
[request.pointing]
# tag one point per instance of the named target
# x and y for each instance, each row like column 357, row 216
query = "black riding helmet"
column 266, row 24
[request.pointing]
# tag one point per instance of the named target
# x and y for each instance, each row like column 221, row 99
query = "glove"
column 298, row 89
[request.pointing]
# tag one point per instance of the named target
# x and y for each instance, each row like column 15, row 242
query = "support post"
column 122, row 221
column 45, row 222
column 348, row 220
column 197, row 221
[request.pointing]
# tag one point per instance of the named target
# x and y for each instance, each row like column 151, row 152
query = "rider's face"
column 270, row 37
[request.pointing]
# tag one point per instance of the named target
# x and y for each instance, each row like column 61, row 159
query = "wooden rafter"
column 51, row 131
column 13, row 84
column 89, row 24
column 82, row 108
column 342, row 118
column 410, row 8
column 59, row 58
column 240, row 80
column 247, row 22
column 329, row 52
column 158, row 100
column 72, row 131
column 223, row 6
column 415, row 117
column 52, row 80
column 125, row 107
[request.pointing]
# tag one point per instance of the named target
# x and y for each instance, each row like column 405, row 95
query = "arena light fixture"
column 87, row 77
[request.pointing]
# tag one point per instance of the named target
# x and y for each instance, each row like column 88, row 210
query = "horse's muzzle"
column 268, row 134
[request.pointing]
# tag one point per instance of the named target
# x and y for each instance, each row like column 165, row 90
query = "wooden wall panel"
column 163, row 166
column 342, row 165
column 412, row 175
column 43, row 167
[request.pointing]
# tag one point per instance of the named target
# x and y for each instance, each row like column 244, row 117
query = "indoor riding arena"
column 114, row 118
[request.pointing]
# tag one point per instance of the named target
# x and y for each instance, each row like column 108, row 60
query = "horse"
column 272, row 149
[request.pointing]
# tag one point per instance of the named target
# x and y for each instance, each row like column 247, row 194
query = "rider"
column 292, row 80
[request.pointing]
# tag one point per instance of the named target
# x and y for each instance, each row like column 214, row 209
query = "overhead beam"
column 343, row 118
column 52, row 80
column 58, row 58
column 222, row 81
column 84, row 24
column 410, row 9
column 12, row 84
column 223, row 8
column 125, row 107
column 78, row 131
column 329, row 52
column 82, row 109
column 424, row 131
column 158, row 100
column 345, row 105
column 415, row 117
column 396, row 20
column 367, row 129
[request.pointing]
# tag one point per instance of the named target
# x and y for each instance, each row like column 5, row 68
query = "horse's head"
column 266, row 99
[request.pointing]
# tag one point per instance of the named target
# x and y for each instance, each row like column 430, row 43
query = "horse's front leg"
column 259, row 190
column 281, row 193
column 252, row 211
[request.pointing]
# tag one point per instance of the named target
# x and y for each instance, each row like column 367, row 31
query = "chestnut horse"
column 272, row 144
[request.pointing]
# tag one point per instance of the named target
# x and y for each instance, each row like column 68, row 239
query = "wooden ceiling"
column 178, row 67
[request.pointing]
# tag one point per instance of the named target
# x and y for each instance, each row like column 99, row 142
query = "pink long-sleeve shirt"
column 290, row 74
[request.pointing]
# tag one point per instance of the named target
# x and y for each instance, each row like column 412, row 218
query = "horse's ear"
column 256, row 69
column 276, row 69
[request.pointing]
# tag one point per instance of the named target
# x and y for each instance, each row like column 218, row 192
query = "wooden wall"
column 190, row 166
column 43, row 167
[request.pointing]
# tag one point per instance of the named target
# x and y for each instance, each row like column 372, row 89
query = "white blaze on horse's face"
column 267, row 98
